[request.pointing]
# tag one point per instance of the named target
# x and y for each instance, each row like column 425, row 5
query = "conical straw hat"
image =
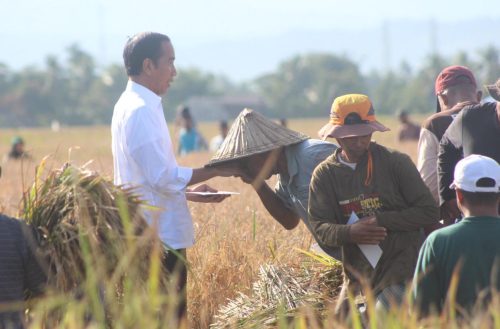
column 252, row 133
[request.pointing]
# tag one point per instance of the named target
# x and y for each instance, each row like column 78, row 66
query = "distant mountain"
column 375, row 48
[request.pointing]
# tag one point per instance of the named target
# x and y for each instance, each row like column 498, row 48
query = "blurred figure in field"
column 408, row 131
column 217, row 140
column 470, row 249
column 284, row 122
column 17, row 150
column 190, row 140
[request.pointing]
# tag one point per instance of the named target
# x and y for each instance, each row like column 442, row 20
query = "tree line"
column 75, row 91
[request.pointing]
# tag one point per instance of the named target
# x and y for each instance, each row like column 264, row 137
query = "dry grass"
column 233, row 239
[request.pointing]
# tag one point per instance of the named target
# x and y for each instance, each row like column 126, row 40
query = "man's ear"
column 147, row 66
column 444, row 100
column 460, row 197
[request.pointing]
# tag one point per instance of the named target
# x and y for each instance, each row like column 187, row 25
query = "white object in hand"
column 213, row 193
column 372, row 252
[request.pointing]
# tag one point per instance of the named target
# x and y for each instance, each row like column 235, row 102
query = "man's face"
column 355, row 147
column 163, row 72
column 263, row 164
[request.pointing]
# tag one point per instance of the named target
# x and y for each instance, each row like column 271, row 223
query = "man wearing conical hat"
column 371, row 202
column 261, row 148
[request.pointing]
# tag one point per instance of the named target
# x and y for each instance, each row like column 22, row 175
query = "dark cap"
column 451, row 76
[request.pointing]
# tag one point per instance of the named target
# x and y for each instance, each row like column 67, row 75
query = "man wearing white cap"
column 371, row 201
column 470, row 248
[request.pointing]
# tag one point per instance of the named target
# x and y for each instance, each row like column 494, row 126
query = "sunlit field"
column 232, row 238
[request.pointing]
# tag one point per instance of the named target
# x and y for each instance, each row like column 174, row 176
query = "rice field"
column 233, row 239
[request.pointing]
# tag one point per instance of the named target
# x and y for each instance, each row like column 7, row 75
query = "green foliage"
column 304, row 86
column 79, row 92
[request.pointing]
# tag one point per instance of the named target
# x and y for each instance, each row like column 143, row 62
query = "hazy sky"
column 31, row 29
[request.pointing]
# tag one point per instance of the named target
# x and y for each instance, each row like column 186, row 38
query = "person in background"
column 217, row 141
column 408, row 131
column 260, row 148
column 367, row 194
column 455, row 87
column 469, row 249
column 475, row 130
column 17, row 150
column 143, row 155
column 190, row 140
column 284, row 122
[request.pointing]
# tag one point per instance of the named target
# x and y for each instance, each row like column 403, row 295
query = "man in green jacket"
column 380, row 187
column 469, row 249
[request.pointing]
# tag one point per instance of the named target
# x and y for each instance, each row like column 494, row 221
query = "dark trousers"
column 175, row 264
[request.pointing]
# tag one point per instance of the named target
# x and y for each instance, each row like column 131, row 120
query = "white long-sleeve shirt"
column 143, row 157
column 428, row 147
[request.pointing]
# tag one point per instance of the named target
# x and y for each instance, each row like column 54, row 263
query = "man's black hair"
column 141, row 46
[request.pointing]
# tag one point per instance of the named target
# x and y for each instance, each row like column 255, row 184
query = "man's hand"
column 366, row 231
column 450, row 212
column 204, row 198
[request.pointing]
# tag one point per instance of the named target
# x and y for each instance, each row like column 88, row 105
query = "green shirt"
column 472, row 246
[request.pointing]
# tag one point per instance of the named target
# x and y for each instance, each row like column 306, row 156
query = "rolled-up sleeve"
column 428, row 146
column 150, row 151
column 161, row 173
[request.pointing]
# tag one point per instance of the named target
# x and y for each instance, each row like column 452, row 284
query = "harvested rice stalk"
column 281, row 290
column 88, row 227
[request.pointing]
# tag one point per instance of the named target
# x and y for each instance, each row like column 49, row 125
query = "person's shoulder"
column 382, row 150
column 328, row 164
column 479, row 109
column 9, row 224
column 439, row 119
column 313, row 146
column 130, row 102
column 390, row 155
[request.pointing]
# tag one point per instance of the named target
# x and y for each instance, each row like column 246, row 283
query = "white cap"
column 471, row 169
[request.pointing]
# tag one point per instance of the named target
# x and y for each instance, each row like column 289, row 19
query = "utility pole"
column 386, row 46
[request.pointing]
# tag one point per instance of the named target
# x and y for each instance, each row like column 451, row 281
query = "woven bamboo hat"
column 252, row 133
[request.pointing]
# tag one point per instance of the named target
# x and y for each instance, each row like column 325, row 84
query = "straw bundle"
column 86, row 226
column 280, row 288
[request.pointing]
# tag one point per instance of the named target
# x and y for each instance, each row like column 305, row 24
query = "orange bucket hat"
column 351, row 115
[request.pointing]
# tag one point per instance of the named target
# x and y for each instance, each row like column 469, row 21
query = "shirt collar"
column 151, row 99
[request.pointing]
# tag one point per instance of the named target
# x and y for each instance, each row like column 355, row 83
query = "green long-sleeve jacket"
column 396, row 195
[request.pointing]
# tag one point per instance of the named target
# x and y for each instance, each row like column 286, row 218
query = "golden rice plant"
column 281, row 292
column 98, row 250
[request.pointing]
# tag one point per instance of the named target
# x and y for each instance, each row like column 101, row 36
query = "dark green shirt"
column 474, row 246
column 396, row 195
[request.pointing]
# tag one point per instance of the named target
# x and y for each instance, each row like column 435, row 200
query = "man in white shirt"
column 143, row 155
